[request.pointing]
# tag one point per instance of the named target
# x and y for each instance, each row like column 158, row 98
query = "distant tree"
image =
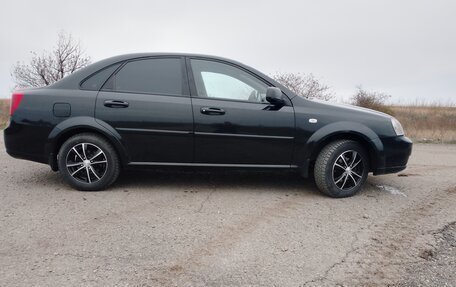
column 49, row 67
column 304, row 85
column 371, row 100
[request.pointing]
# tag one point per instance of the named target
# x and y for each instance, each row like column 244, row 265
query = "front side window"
column 150, row 76
column 223, row 81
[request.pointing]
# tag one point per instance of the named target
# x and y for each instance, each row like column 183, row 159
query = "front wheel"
column 88, row 162
column 341, row 168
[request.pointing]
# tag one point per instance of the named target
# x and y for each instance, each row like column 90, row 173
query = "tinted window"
column 152, row 76
column 218, row 80
column 95, row 81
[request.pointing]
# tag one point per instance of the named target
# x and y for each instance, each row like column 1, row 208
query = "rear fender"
column 82, row 124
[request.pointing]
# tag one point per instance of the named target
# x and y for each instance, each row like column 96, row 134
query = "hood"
column 345, row 116
column 351, row 108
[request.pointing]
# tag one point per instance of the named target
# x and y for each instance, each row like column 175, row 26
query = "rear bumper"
column 25, row 142
column 396, row 152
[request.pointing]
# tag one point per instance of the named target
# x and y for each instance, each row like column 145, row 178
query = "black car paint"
column 174, row 130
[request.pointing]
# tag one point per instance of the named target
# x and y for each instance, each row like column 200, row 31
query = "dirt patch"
column 228, row 237
column 408, row 174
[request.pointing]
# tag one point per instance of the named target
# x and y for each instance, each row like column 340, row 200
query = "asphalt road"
column 164, row 228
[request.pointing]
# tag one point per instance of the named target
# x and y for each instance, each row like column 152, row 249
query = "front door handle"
column 212, row 111
column 115, row 104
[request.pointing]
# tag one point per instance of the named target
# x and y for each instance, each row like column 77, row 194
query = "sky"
column 405, row 48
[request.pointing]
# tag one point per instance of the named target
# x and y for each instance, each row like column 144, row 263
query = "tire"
column 341, row 168
column 88, row 162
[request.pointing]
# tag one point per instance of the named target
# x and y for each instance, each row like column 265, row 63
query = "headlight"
column 397, row 127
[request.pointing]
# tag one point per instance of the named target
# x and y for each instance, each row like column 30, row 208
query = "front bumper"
column 396, row 152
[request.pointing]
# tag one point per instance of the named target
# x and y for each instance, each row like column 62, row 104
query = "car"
column 163, row 109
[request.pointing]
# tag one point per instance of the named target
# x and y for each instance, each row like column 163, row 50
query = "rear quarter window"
column 96, row 81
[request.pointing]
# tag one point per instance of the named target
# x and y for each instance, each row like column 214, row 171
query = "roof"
column 72, row 81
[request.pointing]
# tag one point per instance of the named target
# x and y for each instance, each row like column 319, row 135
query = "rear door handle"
column 212, row 111
column 115, row 104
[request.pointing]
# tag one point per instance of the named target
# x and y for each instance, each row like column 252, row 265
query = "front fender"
column 83, row 124
column 308, row 148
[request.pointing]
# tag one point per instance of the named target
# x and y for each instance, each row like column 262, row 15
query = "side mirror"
column 274, row 96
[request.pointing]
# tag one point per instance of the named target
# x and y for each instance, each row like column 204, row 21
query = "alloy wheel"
column 348, row 170
column 86, row 162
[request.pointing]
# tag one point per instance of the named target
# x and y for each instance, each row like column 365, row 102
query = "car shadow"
column 189, row 180
column 284, row 181
column 202, row 180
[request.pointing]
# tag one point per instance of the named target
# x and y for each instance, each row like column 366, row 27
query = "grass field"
column 432, row 123
column 4, row 112
column 422, row 123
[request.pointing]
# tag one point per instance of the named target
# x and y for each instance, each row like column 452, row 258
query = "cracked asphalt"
column 183, row 228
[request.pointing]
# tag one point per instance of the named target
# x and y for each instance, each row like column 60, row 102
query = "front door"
column 234, row 124
column 147, row 101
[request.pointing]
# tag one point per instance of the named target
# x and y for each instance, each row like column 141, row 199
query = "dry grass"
column 427, row 123
column 4, row 112
column 422, row 123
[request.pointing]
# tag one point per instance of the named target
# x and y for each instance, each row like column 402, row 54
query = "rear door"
column 147, row 101
column 234, row 124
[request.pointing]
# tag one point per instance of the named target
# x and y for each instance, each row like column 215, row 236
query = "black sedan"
column 197, row 111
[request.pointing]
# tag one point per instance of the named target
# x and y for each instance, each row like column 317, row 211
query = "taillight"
column 15, row 101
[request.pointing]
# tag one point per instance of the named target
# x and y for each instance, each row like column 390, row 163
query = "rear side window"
column 150, row 76
column 97, row 80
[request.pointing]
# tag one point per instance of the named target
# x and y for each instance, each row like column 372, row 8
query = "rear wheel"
column 88, row 162
column 341, row 168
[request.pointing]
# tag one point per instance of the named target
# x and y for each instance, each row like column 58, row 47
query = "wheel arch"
column 77, row 125
column 339, row 131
